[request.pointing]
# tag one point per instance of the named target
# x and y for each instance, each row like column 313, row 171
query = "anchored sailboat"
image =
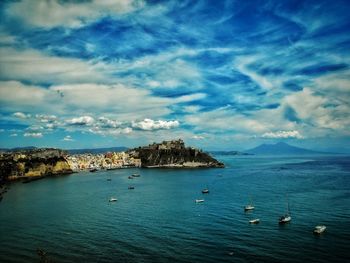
column 287, row 217
column 249, row 206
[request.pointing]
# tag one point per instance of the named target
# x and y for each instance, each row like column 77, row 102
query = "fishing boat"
column 254, row 221
column 287, row 217
column 249, row 206
column 113, row 199
column 319, row 229
column 135, row 175
column 199, row 200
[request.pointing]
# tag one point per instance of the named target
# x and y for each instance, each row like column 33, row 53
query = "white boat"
column 319, row 229
column 199, row 200
column 135, row 175
column 287, row 217
column 113, row 199
column 254, row 221
column 249, row 206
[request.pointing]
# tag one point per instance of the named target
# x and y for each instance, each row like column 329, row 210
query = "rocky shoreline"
column 173, row 154
column 33, row 164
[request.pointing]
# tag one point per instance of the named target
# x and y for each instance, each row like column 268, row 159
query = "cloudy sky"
column 219, row 74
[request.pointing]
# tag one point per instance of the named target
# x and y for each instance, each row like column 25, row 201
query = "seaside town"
column 116, row 160
column 110, row 160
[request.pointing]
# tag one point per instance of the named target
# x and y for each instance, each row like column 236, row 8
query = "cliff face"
column 174, row 154
column 33, row 163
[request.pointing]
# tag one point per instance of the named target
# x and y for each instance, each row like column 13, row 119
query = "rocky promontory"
column 173, row 154
column 34, row 163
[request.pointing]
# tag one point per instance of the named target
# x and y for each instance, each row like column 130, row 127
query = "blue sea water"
column 70, row 218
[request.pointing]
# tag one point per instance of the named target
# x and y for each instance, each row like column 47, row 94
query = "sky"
column 222, row 75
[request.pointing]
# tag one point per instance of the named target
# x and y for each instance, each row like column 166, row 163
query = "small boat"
column 135, row 175
column 112, row 199
column 205, row 191
column 131, row 187
column 254, row 221
column 130, row 177
column 248, row 207
column 287, row 217
column 92, row 170
column 319, row 229
column 199, row 200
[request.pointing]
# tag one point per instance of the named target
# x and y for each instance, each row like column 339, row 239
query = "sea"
column 70, row 219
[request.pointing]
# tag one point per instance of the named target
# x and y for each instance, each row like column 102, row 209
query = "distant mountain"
column 281, row 148
column 97, row 150
column 17, row 149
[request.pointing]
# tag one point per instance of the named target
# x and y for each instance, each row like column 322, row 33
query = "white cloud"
column 188, row 98
column 33, row 134
column 198, row 137
column 57, row 13
column 46, row 118
column 6, row 39
column 148, row 124
column 50, row 126
column 108, row 123
column 242, row 64
column 15, row 96
column 282, row 135
column 35, row 127
column 129, row 102
column 68, row 138
column 319, row 111
column 83, row 120
column 126, row 130
column 225, row 119
column 38, row 67
column 110, row 131
column 21, row 115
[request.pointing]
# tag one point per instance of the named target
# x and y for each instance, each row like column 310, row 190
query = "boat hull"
column 319, row 230
column 254, row 221
column 284, row 220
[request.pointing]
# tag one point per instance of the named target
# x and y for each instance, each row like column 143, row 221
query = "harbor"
column 161, row 213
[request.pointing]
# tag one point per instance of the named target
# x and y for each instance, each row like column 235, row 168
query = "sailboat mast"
column 288, row 211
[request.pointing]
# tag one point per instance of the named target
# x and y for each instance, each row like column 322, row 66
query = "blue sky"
column 219, row 74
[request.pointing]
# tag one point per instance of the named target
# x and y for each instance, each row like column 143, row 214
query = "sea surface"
column 71, row 220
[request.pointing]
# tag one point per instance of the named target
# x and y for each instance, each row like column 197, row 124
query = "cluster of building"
column 110, row 160
column 166, row 145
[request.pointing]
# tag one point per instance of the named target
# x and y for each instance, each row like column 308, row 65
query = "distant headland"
column 173, row 154
column 34, row 163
